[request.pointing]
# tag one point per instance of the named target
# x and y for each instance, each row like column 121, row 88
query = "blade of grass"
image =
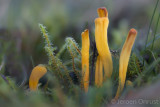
column 33, row 65
column 155, row 32
column 150, row 26
column 151, row 22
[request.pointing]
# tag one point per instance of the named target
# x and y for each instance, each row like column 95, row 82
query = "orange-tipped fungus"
column 124, row 59
column 101, row 26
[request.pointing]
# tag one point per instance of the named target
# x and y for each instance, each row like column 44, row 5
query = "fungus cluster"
column 104, row 64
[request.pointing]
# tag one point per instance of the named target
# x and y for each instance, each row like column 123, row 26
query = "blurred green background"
column 21, row 42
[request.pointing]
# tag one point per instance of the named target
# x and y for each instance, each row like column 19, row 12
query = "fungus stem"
column 37, row 72
column 124, row 59
column 85, row 58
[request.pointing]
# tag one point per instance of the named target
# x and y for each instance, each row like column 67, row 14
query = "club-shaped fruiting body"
column 101, row 26
column 129, row 83
column 85, row 59
column 37, row 72
column 124, row 59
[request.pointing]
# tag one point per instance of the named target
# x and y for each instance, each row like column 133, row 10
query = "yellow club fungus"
column 37, row 72
column 85, row 59
column 101, row 26
column 124, row 59
column 129, row 83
